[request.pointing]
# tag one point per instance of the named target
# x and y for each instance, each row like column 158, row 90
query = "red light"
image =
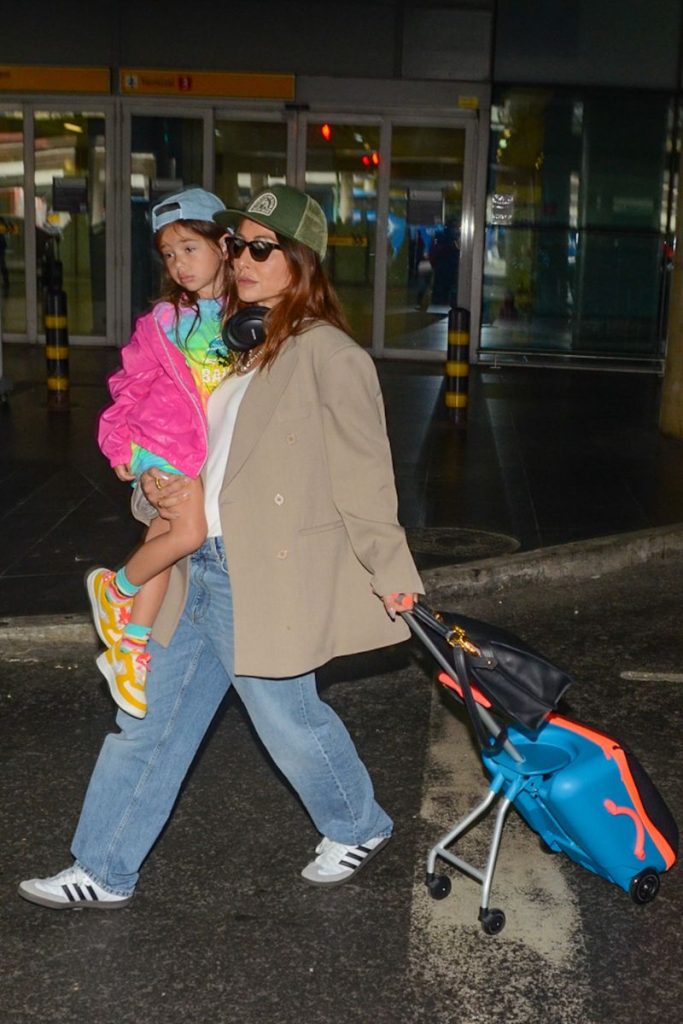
column 365, row 160
column 326, row 132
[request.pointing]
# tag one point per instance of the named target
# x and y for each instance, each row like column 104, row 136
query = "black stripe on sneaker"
column 69, row 895
column 93, row 894
column 351, row 859
column 79, row 891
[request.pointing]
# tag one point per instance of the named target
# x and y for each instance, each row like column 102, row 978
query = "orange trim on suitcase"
column 611, row 749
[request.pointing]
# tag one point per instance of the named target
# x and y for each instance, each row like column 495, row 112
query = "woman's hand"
column 165, row 491
column 123, row 472
column 394, row 604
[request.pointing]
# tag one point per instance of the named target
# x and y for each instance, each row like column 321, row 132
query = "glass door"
column 12, row 262
column 399, row 199
column 424, row 235
column 70, row 186
column 342, row 173
column 249, row 154
column 166, row 154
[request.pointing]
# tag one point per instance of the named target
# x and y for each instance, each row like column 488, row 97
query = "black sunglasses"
column 259, row 250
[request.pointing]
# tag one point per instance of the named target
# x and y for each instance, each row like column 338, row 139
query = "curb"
column 576, row 560
column 49, row 629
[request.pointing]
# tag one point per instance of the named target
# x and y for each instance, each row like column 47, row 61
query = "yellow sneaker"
column 109, row 618
column 126, row 674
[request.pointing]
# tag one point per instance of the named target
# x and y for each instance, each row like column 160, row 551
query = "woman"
column 304, row 561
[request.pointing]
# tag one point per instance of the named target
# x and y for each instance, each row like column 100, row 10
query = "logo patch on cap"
column 265, row 204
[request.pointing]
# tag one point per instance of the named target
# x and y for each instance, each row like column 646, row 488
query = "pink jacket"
column 155, row 403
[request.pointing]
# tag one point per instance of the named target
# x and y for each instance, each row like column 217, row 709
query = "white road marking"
column 653, row 677
column 542, row 942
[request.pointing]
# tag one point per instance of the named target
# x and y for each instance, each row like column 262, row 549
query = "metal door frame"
column 128, row 110
column 209, row 111
column 470, row 275
column 78, row 103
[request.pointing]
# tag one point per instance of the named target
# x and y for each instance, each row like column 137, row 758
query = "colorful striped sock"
column 120, row 589
column 135, row 638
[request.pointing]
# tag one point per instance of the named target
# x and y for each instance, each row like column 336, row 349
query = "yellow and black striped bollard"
column 56, row 345
column 458, row 365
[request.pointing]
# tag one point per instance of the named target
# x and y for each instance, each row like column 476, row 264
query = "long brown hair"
column 309, row 298
column 180, row 297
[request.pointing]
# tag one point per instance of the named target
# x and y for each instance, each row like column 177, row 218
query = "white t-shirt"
column 221, row 413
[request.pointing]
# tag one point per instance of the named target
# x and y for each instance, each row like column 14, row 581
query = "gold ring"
column 157, row 481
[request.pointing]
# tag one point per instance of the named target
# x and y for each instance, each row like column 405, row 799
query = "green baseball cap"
column 288, row 212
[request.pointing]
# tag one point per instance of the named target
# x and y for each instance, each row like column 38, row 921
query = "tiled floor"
column 548, row 456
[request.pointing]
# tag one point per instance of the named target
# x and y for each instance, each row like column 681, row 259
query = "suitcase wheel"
column 492, row 921
column 439, row 887
column 644, row 886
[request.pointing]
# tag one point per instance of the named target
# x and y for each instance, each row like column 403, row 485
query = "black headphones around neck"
column 245, row 329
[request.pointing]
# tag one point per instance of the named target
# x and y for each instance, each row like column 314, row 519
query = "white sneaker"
column 336, row 863
column 72, row 889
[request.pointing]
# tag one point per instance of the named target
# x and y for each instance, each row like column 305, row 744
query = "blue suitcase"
column 582, row 791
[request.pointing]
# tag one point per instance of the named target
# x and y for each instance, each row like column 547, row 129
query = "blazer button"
column 291, row 438
column 278, row 499
column 282, row 554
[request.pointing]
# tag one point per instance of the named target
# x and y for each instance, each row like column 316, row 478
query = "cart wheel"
column 492, row 921
column 439, row 887
column 645, row 886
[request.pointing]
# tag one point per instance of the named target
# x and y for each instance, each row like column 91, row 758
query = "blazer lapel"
column 258, row 405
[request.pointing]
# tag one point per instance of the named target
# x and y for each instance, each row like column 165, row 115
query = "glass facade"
column 249, row 155
column 342, row 168
column 425, row 213
column 70, row 189
column 578, row 223
column 166, row 156
column 12, row 267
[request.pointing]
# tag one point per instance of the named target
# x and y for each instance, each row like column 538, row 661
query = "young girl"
column 172, row 363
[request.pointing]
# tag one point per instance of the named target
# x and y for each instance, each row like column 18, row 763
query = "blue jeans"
column 141, row 768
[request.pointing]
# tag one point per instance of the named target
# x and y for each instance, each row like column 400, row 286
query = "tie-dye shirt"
column 199, row 339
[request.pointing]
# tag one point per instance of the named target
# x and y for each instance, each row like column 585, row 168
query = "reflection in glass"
column 166, row 156
column 12, row 268
column 342, row 164
column 576, row 223
column 425, row 213
column 70, row 212
column 250, row 155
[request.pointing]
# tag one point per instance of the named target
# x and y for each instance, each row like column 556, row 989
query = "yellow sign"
column 143, row 81
column 44, row 78
column 468, row 102
column 347, row 240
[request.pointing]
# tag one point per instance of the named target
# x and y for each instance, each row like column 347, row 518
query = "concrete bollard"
column 458, row 365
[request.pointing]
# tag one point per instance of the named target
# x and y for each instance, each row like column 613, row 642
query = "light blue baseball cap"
column 190, row 204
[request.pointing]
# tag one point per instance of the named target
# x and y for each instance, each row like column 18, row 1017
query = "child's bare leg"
column 149, row 598
column 169, row 540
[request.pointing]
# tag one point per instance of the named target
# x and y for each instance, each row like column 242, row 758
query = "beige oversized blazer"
column 308, row 511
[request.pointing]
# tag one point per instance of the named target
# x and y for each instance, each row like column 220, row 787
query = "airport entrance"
column 78, row 180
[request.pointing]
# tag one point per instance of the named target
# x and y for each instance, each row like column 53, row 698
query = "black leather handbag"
column 520, row 684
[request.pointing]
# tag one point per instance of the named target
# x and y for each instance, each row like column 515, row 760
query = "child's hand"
column 123, row 471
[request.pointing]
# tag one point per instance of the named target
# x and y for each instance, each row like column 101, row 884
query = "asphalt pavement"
column 557, row 515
